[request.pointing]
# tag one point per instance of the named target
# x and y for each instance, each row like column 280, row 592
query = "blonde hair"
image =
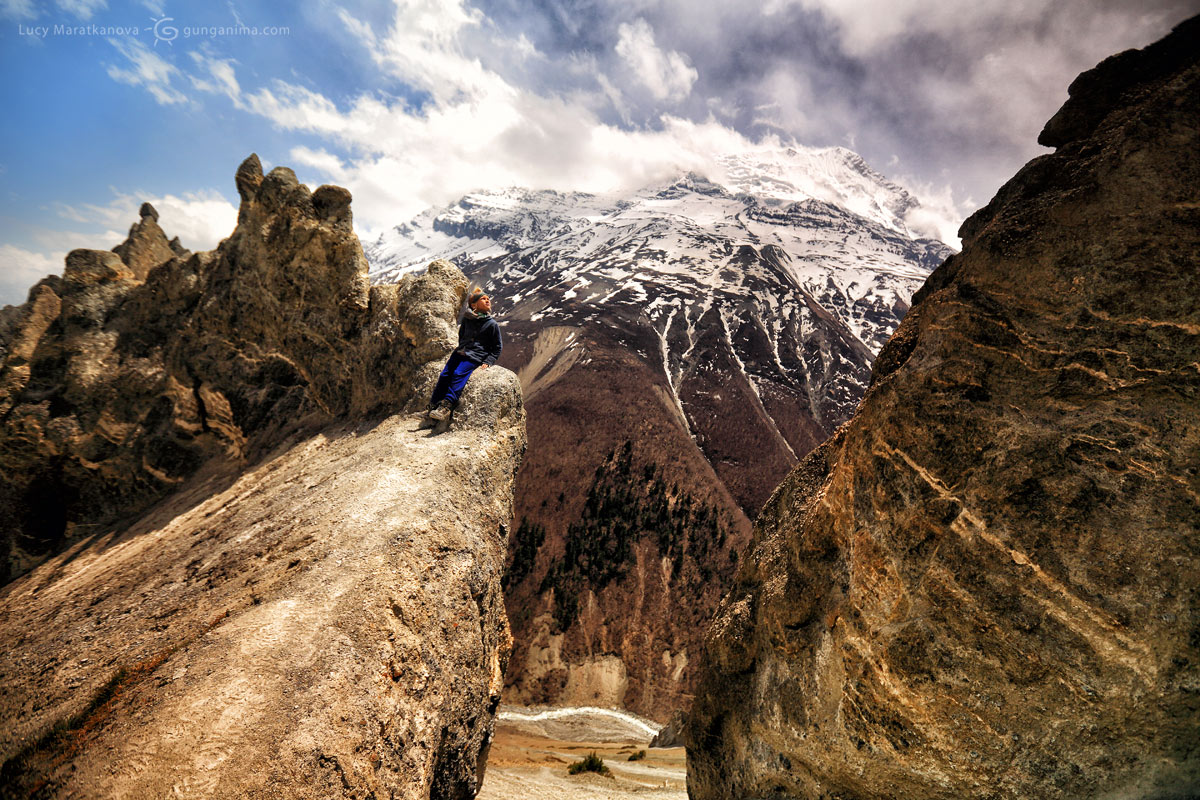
column 474, row 296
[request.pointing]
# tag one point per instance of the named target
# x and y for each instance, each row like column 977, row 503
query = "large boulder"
column 985, row 584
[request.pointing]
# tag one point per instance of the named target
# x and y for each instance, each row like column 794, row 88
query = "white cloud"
column 84, row 9
column 867, row 26
column 1013, row 59
column 20, row 269
column 479, row 129
column 148, row 70
column 57, row 242
column 17, row 9
column 939, row 215
column 792, row 99
column 298, row 108
column 424, row 48
column 200, row 219
column 613, row 94
column 233, row 11
column 668, row 75
column 220, row 77
column 321, row 160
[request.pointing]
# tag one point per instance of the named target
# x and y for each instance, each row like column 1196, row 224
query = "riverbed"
column 532, row 749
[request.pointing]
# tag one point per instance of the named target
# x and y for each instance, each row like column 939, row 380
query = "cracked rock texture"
column 264, row 578
column 985, row 584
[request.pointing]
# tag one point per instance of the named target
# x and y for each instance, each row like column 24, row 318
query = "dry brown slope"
column 613, row 653
column 985, row 585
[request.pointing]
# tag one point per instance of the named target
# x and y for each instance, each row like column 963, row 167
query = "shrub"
column 590, row 763
column 638, row 756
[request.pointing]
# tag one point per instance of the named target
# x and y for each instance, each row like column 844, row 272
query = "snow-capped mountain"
column 837, row 227
column 793, row 270
column 723, row 325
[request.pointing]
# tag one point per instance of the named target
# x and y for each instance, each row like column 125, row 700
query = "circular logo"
column 163, row 32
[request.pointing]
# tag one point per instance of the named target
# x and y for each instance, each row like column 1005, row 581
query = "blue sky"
column 415, row 102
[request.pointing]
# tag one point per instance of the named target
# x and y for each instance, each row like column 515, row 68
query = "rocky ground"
column 239, row 567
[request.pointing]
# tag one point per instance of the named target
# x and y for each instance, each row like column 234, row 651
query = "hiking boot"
column 441, row 412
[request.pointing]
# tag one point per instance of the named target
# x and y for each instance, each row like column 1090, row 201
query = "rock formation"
column 247, row 575
column 671, row 734
column 116, row 387
column 147, row 245
column 985, row 584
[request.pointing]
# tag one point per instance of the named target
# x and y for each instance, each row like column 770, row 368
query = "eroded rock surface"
column 985, row 584
column 147, row 246
column 120, row 380
column 247, row 572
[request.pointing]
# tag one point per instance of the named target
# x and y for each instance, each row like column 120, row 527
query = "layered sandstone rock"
column 985, row 584
column 257, row 579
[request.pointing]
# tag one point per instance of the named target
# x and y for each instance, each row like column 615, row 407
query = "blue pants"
column 453, row 379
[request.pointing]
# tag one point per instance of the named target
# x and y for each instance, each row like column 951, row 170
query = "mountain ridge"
column 717, row 332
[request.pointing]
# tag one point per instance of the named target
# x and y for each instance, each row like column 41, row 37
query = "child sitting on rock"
column 478, row 347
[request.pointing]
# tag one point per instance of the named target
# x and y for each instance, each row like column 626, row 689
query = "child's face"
column 483, row 304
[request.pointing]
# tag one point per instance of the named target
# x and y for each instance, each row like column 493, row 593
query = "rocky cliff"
column 985, row 584
column 247, row 572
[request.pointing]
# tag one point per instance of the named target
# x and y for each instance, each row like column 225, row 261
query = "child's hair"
column 473, row 298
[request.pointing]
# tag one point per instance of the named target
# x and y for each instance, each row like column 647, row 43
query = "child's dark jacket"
column 479, row 338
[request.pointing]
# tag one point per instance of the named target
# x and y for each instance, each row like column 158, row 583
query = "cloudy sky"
column 415, row 102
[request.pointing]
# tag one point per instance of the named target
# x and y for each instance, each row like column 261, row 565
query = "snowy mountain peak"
column 831, row 174
column 490, row 222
